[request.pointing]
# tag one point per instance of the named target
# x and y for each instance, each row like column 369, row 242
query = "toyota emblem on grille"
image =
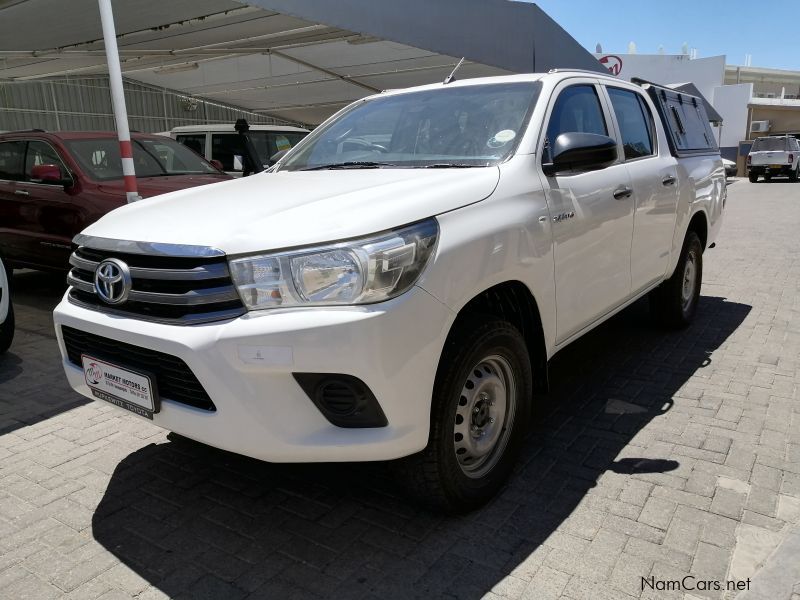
column 112, row 281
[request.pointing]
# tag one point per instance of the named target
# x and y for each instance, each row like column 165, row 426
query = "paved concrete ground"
column 662, row 455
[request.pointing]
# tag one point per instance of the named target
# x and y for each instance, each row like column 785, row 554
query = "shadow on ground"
column 198, row 522
column 32, row 382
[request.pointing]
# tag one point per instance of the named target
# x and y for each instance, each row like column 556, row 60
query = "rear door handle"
column 21, row 193
column 622, row 192
column 668, row 180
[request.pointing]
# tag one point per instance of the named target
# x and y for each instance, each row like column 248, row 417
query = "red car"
column 53, row 185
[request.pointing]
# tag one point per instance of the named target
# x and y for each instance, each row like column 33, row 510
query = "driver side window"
column 577, row 110
column 42, row 153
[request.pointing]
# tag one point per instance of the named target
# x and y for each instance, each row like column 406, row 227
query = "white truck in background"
column 774, row 155
column 395, row 287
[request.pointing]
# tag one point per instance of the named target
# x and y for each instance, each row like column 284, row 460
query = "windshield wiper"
column 354, row 164
column 450, row 166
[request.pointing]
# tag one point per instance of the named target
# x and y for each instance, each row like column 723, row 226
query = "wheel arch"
column 699, row 224
column 514, row 302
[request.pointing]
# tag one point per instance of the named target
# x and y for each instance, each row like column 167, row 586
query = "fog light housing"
column 344, row 400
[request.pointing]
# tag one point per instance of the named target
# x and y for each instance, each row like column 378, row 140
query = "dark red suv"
column 53, row 185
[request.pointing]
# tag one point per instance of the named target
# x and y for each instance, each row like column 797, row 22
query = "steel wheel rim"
column 484, row 416
column 689, row 279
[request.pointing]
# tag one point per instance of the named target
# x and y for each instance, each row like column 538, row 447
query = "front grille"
column 167, row 289
column 174, row 379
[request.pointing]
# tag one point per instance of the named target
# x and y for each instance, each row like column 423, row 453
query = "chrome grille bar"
column 193, row 298
column 181, row 290
column 213, row 271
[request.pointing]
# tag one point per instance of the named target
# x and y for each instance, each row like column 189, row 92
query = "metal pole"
column 118, row 100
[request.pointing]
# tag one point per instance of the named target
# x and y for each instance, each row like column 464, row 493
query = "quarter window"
column 635, row 122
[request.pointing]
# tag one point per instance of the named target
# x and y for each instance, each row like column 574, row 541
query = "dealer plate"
column 131, row 390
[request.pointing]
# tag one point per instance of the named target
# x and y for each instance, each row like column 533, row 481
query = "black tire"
column 753, row 177
column 475, row 355
column 7, row 329
column 793, row 176
column 7, row 326
column 767, row 177
column 673, row 304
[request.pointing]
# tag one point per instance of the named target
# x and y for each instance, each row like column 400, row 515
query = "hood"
column 155, row 186
column 270, row 211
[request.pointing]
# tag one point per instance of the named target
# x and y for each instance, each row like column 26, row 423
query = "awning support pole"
column 118, row 100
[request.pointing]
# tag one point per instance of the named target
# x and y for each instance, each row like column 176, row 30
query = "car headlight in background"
column 357, row 272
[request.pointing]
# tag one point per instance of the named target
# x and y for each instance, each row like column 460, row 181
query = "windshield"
column 152, row 158
column 475, row 125
column 769, row 144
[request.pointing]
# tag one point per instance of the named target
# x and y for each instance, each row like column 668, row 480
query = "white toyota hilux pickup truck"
column 395, row 286
column 774, row 155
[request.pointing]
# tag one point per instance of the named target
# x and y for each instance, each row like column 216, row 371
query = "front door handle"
column 622, row 192
column 21, row 193
column 668, row 180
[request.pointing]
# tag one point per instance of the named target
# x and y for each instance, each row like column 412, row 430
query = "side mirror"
column 581, row 152
column 277, row 156
column 217, row 164
column 49, row 174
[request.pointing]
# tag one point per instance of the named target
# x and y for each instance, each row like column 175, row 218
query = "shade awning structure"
column 296, row 59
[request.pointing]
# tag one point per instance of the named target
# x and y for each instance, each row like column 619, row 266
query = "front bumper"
column 246, row 365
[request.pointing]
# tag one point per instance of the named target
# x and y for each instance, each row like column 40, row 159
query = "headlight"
column 357, row 272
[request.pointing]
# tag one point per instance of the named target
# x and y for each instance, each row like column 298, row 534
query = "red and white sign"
column 612, row 62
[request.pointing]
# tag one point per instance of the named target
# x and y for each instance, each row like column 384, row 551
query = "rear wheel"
column 753, row 177
column 767, row 177
column 793, row 176
column 674, row 302
column 480, row 413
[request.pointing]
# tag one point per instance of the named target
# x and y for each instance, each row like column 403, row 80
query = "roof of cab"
column 230, row 128
column 523, row 77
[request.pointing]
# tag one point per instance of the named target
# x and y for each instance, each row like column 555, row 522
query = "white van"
column 223, row 143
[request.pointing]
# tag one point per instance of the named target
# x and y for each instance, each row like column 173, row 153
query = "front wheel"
column 480, row 413
column 674, row 302
column 753, row 177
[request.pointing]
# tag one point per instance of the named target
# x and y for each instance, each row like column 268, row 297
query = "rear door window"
column 12, row 155
column 228, row 148
column 635, row 122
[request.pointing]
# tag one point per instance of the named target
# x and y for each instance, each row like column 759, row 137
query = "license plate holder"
column 133, row 390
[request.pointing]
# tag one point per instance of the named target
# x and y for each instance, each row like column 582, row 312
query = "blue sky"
column 767, row 29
